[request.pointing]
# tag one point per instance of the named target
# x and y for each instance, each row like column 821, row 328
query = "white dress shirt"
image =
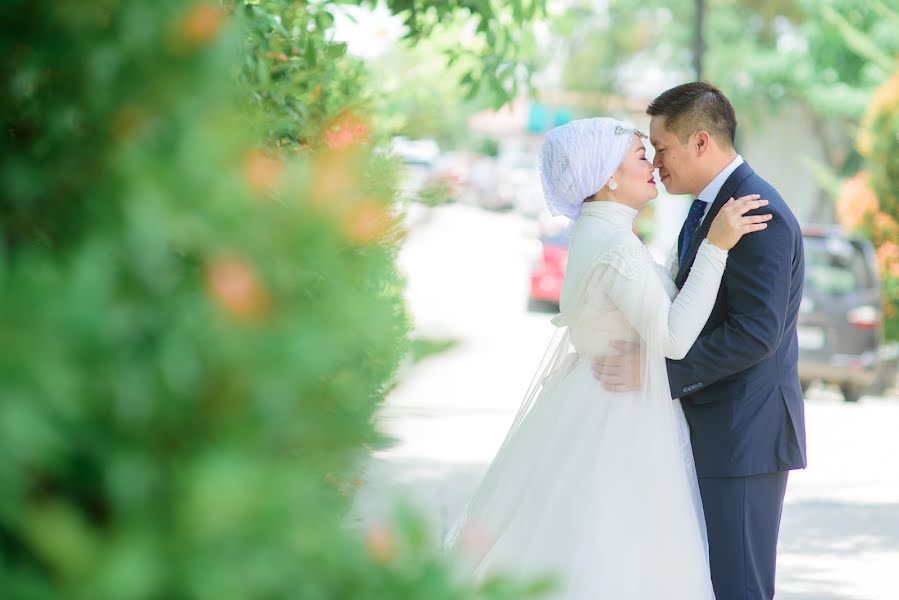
column 710, row 192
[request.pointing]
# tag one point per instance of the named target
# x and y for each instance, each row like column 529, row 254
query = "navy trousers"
column 742, row 515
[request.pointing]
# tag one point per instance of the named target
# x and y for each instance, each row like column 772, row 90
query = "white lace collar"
column 615, row 212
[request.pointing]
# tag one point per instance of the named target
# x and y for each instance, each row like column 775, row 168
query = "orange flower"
column 366, row 221
column 262, row 171
column 885, row 228
column 381, row 543
column 234, row 286
column 888, row 258
column 345, row 131
column 856, row 202
column 202, row 23
column 278, row 55
column 334, row 179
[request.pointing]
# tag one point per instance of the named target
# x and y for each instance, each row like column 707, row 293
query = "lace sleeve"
column 624, row 258
column 627, row 275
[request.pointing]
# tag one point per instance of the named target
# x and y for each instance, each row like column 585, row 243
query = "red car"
column 548, row 272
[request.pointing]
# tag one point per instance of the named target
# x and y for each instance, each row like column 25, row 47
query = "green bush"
column 197, row 327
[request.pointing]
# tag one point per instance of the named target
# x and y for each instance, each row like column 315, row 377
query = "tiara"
column 620, row 130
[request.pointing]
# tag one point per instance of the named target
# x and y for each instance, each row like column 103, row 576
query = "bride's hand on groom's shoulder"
column 619, row 372
column 731, row 223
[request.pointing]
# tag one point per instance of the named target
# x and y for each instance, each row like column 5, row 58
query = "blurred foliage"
column 497, row 39
column 423, row 348
column 301, row 81
column 435, row 192
column 764, row 54
column 418, row 92
column 869, row 202
column 488, row 47
column 200, row 310
column 455, row 58
column 487, row 146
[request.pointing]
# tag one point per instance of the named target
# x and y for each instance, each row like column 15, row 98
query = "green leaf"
column 858, row 41
column 335, row 51
column 309, row 54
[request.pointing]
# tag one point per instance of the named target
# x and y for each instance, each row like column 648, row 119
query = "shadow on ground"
column 818, row 538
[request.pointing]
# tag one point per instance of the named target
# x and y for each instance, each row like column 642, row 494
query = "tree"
column 418, row 93
column 764, row 54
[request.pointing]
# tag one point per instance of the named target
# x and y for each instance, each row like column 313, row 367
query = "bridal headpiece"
column 579, row 158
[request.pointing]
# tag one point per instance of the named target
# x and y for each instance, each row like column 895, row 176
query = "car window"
column 835, row 266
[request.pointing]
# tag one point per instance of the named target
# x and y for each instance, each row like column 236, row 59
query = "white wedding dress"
column 594, row 486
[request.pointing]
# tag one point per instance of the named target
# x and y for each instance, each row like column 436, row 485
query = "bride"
column 595, row 486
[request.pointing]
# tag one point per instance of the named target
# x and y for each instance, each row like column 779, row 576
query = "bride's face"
column 636, row 184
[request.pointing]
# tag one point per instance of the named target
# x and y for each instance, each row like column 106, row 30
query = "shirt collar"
column 710, row 192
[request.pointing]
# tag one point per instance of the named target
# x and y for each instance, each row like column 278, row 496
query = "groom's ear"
column 701, row 141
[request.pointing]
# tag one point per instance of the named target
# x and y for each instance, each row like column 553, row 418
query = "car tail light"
column 864, row 317
column 556, row 258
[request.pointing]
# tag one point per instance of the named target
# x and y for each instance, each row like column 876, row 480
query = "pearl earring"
column 613, row 186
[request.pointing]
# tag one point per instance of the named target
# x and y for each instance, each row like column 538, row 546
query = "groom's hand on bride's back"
column 619, row 372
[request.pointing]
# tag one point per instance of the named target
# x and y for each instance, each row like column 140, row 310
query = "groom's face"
column 673, row 159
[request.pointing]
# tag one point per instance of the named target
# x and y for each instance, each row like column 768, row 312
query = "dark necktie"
column 694, row 218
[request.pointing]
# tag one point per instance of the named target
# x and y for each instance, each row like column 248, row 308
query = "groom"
column 739, row 384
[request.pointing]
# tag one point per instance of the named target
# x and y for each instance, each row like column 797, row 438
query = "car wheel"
column 542, row 306
column 851, row 393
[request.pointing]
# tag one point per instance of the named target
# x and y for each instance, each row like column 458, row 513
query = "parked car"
column 839, row 318
column 548, row 271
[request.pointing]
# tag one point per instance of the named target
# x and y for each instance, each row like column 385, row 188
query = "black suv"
column 839, row 319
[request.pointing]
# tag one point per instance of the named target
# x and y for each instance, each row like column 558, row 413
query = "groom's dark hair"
column 696, row 106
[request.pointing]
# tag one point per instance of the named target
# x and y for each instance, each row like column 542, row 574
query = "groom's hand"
column 619, row 372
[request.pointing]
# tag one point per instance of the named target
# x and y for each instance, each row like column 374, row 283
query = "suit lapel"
column 727, row 191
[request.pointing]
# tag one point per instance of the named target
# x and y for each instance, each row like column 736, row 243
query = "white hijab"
column 578, row 159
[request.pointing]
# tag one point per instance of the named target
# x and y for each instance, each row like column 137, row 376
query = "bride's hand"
column 732, row 223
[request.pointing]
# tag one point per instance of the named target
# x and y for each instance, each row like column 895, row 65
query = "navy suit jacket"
column 739, row 384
